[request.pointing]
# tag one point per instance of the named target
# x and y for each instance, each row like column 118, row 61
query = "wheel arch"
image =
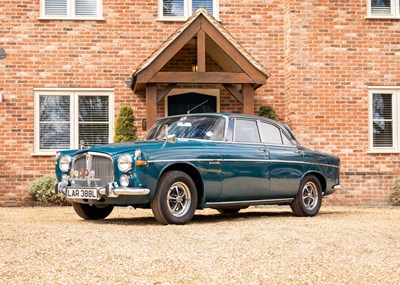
column 321, row 178
column 192, row 171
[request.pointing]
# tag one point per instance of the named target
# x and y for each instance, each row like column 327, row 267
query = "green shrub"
column 395, row 193
column 267, row 112
column 125, row 131
column 41, row 192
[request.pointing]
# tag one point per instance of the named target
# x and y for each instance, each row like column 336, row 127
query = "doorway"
column 191, row 103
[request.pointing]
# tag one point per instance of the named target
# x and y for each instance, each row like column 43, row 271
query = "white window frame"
column 74, row 113
column 70, row 12
column 394, row 11
column 187, row 11
column 395, row 91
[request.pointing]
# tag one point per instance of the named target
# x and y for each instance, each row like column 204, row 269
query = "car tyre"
column 89, row 212
column 308, row 199
column 175, row 200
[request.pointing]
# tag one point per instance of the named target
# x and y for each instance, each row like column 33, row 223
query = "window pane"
column 93, row 109
column 173, row 8
column 207, row 4
column 271, row 134
column 54, row 108
column 246, row 131
column 382, row 120
column 93, row 134
column 380, row 7
column 86, row 7
column 54, row 136
column 56, row 7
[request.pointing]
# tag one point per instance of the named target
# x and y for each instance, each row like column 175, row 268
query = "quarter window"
column 182, row 9
column 273, row 135
column 71, row 9
column 383, row 8
column 383, row 120
column 72, row 119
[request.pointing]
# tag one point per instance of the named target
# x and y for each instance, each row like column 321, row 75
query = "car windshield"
column 189, row 127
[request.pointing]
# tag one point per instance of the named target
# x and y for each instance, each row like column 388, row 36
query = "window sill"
column 44, row 153
column 69, row 19
column 382, row 17
column 179, row 19
column 383, row 152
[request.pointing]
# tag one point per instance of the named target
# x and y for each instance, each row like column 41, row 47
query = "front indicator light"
column 140, row 162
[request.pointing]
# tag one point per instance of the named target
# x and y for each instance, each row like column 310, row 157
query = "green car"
column 223, row 161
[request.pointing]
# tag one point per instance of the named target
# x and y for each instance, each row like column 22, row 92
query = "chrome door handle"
column 299, row 152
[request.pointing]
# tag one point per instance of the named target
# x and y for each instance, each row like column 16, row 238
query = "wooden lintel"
column 165, row 92
column 235, row 93
column 201, row 77
column 201, row 51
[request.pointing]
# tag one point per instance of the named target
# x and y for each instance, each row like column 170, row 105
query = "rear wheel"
column 309, row 198
column 89, row 212
column 175, row 200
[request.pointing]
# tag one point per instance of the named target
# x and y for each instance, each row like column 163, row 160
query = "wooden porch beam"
column 151, row 104
column 200, row 77
column 248, row 99
column 165, row 91
column 201, row 51
column 235, row 93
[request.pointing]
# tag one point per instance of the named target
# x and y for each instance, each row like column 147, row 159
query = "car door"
column 244, row 163
column 286, row 166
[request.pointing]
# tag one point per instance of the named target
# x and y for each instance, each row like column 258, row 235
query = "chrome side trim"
column 243, row 160
column 250, row 202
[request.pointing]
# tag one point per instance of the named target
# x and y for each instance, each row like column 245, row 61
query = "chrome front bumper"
column 111, row 190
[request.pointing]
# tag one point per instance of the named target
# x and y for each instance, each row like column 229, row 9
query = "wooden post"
column 201, row 51
column 248, row 99
column 151, row 104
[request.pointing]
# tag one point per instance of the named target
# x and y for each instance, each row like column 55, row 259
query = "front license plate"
column 82, row 193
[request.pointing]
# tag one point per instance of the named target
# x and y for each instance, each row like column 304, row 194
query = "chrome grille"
column 101, row 164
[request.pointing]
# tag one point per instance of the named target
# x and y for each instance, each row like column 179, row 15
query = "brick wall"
column 322, row 55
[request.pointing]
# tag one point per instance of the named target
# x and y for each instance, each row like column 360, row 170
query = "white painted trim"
column 395, row 91
column 74, row 93
column 394, row 11
column 71, row 12
column 179, row 91
column 187, row 12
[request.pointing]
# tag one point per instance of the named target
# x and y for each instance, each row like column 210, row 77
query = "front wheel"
column 175, row 200
column 89, row 212
column 309, row 198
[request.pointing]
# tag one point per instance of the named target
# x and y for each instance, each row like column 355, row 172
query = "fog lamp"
column 124, row 180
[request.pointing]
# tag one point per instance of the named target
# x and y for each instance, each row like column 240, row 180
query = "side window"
column 246, row 131
column 270, row 134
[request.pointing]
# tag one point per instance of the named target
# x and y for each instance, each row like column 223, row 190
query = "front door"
column 191, row 103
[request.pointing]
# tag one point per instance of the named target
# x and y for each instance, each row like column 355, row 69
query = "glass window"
column 246, row 131
column 384, row 8
column 270, row 134
column 182, row 9
column 71, row 9
column 382, row 120
column 71, row 119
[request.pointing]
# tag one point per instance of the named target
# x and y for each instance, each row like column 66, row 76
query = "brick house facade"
column 334, row 78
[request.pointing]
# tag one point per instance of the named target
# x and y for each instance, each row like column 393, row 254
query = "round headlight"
column 64, row 163
column 125, row 163
column 124, row 180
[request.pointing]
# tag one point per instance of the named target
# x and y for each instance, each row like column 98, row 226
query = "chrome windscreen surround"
column 92, row 169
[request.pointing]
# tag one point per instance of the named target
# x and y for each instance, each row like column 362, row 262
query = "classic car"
column 223, row 161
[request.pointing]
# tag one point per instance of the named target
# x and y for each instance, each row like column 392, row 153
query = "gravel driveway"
column 342, row 245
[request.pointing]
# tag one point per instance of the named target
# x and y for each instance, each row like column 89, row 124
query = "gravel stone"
column 260, row 245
